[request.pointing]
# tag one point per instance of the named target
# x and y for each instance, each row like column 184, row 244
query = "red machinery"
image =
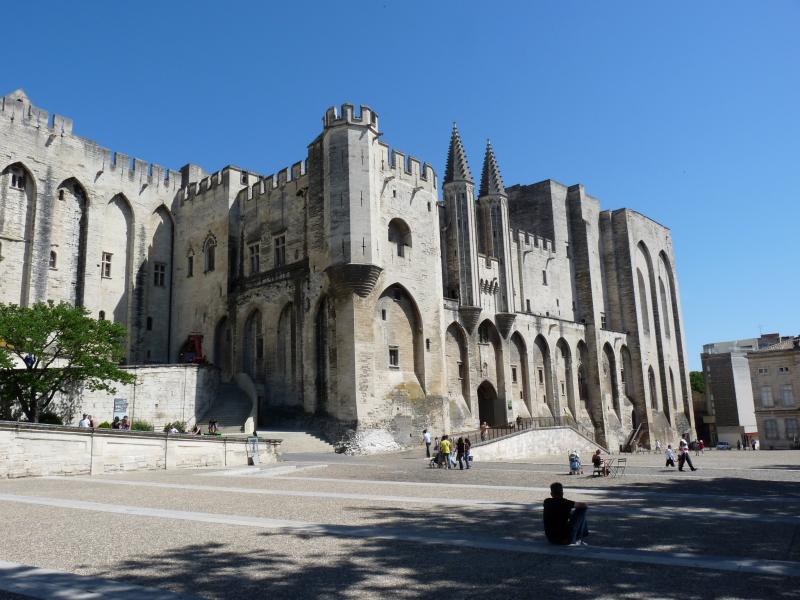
column 192, row 350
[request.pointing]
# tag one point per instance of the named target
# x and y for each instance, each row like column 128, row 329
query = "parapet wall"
column 31, row 450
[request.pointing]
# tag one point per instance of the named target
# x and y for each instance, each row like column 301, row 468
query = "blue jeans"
column 578, row 529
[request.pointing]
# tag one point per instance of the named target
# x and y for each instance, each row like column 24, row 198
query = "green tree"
column 58, row 348
column 696, row 379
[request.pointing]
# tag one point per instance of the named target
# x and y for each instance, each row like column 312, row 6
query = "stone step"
column 297, row 441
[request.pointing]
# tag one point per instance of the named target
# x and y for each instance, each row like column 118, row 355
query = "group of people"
column 684, row 458
column 446, row 452
column 87, row 422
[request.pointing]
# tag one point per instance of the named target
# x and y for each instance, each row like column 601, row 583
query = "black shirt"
column 556, row 519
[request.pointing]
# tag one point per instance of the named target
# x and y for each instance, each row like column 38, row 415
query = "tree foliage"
column 50, row 348
column 696, row 380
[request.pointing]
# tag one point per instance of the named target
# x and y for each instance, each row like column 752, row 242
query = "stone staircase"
column 231, row 409
column 296, row 440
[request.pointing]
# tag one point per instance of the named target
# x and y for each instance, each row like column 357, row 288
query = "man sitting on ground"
column 564, row 520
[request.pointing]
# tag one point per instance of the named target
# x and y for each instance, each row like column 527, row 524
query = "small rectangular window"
column 771, row 429
column 18, row 180
column 544, row 277
column 763, row 371
column 541, row 376
column 513, row 374
column 394, row 357
column 766, row 397
column 460, row 370
column 563, row 389
column 53, row 260
column 255, row 258
column 603, row 322
column 149, row 323
column 159, row 274
column 791, row 428
column 280, row 250
column 787, row 395
column 383, row 314
column 528, row 305
column 105, row 266
column 783, row 369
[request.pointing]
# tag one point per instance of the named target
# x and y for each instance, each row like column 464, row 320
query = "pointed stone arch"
column 543, row 378
column 682, row 389
column 608, row 380
column 652, row 388
column 400, row 324
column 488, row 403
column 69, row 237
column 564, row 376
column 457, row 362
column 116, row 259
column 157, row 274
column 324, row 354
column 253, row 346
column 283, row 383
column 223, row 348
column 18, row 220
column 399, row 235
column 521, row 388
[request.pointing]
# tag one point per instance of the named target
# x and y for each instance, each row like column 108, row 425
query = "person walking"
column 452, row 453
column 684, row 458
column 84, row 422
column 460, row 453
column 484, row 428
column 658, row 446
column 426, row 437
column 444, row 450
column 467, row 447
column 670, row 457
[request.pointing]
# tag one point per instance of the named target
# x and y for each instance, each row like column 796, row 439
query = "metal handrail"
column 500, row 431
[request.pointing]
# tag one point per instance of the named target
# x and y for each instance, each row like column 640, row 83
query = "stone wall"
column 536, row 443
column 35, row 450
column 161, row 394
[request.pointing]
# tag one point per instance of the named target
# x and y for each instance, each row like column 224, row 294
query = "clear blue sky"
column 688, row 112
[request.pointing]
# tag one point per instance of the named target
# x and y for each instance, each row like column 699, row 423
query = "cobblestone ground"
column 329, row 526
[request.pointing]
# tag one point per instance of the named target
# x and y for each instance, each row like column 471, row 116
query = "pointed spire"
column 457, row 168
column 491, row 181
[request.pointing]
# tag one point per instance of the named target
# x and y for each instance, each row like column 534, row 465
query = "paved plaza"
column 331, row 526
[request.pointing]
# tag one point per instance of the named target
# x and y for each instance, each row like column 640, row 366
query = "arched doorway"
column 488, row 405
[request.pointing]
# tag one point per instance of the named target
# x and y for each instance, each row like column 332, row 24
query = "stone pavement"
column 330, row 526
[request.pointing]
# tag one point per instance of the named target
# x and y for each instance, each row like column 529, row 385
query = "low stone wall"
column 556, row 441
column 28, row 450
column 161, row 394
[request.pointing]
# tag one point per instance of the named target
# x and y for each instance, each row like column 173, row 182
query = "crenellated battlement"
column 531, row 241
column 408, row 168
column 17, row 108
column 265, row 185
column 347, row 116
